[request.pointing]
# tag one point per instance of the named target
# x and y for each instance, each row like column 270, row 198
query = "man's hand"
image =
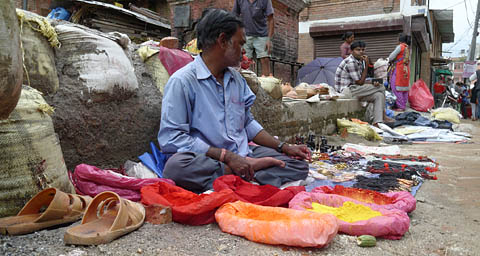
column 297, row 151
column 239, row 165
column 268, row 46
column 365, row 58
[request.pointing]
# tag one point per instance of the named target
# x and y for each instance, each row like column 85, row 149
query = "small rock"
column 139, row 251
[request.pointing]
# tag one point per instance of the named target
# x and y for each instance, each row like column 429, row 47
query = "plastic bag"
column 90, row 180
column 10, row 59
column 446, row 114
column 187, row 207
column 272, row 86
column 173, row 59
column 266, row 195
column 392, row 200
column 420, row 97
column 275, row 225
column 363, row 130
column 391, row 225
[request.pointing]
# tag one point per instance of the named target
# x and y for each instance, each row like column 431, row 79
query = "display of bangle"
column 222, row 155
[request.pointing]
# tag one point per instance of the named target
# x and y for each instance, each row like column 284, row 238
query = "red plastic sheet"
column 275, row 225
column 420, row 97
column 90, row 180
column 187, row 207
column 193, row 209
column 401, row 200
column 391, row 225
column 266, row 195
column 173, row 59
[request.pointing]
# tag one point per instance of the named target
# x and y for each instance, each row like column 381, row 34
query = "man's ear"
column 222, row 40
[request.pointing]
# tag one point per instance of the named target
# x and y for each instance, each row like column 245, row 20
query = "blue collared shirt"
column 198, row 112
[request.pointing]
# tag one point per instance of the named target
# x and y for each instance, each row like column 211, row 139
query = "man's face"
column 358, row 52
column 233, row 53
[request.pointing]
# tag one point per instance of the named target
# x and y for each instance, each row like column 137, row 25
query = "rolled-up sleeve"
column 252, row 127
column 173, row 135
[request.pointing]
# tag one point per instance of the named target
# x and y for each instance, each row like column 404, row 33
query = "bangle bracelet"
column 222, row 155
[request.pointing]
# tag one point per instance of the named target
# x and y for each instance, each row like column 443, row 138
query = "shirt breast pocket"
column 238, row 114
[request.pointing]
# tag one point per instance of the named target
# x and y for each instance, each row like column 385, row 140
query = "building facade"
column 378, row 23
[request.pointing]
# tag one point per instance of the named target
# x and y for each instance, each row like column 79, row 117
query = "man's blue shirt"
column 198, row 112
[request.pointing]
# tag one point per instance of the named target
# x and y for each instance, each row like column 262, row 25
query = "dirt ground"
column 446, row 222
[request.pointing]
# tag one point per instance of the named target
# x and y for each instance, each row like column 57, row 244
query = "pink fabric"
column 402, row 200
column 173, row 59
column 391, row 225
column 90, row 180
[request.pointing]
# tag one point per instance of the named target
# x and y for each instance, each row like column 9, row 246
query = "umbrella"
column 320, row 70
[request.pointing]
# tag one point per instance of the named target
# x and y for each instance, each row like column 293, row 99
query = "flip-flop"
column 59, row 208
column 108, row 217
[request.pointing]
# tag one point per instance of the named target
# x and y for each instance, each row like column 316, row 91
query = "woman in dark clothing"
column 348, row 38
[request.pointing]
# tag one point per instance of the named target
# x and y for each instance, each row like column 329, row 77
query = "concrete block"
column 158, row 214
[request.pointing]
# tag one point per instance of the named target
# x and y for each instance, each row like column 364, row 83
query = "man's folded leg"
column 294, row 169
column 193, row 171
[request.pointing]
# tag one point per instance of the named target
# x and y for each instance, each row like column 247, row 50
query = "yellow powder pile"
column 349, row 211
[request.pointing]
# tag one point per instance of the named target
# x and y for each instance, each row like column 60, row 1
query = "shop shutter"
column 379, row 45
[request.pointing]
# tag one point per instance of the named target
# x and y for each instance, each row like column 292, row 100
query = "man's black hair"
column 215, row 22
column 346, row 35
column 357, row 44
column 402, row 38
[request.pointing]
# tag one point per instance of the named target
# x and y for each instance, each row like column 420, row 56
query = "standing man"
column 351, row 75
column 206, row 120
column 257, row 15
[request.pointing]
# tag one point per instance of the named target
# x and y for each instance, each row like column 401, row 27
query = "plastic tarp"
column 391, row 225
column 266, row 195
column 193, row 209
column 275, row 225
column 90, row 180
column 173, row 59
column 401, row 200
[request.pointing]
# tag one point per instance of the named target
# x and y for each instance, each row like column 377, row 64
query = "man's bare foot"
column 264, row 162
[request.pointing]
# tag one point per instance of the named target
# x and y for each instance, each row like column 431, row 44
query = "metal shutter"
column 379, row 45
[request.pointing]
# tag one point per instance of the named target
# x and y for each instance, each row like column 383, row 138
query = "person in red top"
column 400, row 71
column 345, row 50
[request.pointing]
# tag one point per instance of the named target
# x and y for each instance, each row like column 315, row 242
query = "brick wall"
column 285, row 39
column 306, row 51
column 331, row 9
column 41, row 7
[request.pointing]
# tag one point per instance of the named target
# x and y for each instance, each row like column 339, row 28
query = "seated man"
column 350, row 77
column 206, row 120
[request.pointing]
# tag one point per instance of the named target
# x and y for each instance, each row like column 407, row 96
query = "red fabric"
column 437, row 88
column 187, row 207
column 403, row 69
column 246, row 62
column 173, row 59
column 266, row 195
column 193, row 209
column 90, row 180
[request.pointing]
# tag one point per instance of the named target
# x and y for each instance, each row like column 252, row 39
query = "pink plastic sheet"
column 420, row 97
column 391, row 225
column 402, row 200
column 90, row 180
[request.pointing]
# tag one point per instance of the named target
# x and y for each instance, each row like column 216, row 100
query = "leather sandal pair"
column 105, row 218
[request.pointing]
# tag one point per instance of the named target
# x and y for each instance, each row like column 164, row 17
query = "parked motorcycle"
column 450, row 97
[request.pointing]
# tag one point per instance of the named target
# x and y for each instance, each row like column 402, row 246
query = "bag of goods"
column 30, row 155
column 355, row 217
column 420, row 97
column 11, row 64
column 100, row 63
column 286, row 88
column 252, row 80
column 446, row 114
column 380, row 68
column 38, row 41
column 401, row 200
column 275, row 225
column 272, row 86
column 363, row 130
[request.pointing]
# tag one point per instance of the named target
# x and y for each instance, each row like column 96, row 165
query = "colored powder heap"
column 349, row 211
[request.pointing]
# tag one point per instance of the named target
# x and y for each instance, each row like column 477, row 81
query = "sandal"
column 107, row 217
column 59, row 208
